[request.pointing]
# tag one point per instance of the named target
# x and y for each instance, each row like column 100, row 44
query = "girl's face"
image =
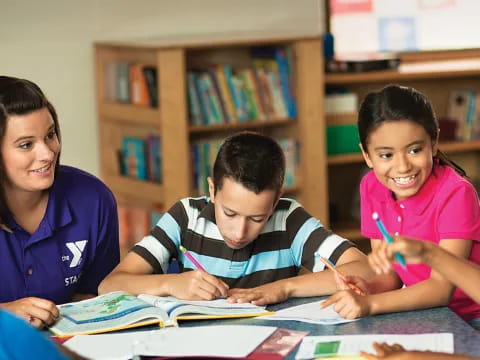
column 30, row 150
column 401, row 155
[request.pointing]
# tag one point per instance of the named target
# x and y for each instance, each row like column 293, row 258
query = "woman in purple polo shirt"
column 58, row 224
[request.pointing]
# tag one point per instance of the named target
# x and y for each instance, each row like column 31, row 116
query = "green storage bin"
column 342, row 139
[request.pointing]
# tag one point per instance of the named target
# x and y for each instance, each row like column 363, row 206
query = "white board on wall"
column 361, row 26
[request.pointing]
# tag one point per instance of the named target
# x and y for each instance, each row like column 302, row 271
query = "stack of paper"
column 237, row 341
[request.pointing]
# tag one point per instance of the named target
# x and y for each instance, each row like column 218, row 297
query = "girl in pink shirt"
column 418, row 193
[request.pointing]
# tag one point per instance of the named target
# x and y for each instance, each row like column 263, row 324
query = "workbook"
column 120, row 310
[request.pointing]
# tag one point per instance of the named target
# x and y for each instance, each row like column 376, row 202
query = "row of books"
column 135, row 223
column 140, row 158
column 205, row 152
column 131, row 83
column 221, row 94
column 464, row 112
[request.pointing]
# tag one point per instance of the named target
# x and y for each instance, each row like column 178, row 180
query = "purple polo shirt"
column 445, row 207
column 74, row 247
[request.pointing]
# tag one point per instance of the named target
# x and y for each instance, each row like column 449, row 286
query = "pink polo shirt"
column 446, row 207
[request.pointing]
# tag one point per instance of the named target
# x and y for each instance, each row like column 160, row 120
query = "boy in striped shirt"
column 251, row 242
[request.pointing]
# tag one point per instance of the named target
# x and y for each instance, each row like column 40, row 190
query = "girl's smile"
column 401, row 155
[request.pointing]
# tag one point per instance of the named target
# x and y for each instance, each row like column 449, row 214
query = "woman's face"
column 30, row 151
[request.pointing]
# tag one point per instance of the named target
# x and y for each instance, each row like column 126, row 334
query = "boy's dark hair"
column 19, row 97
column 396, row 103
column 256, row 161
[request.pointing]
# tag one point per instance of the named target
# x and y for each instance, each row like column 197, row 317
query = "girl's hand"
column 348, row 304
column 358, row 281
column 382, row 256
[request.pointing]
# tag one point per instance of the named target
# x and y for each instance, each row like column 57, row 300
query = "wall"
column 50, row 42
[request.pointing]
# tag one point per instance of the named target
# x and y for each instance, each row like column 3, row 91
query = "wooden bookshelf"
column 437, row 83
column 447, row 147
column 173, row 57
column 239, row 126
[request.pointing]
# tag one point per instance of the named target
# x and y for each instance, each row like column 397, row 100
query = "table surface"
column 442, row 319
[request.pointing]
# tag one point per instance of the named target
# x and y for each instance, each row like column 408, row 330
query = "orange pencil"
column 332, row 267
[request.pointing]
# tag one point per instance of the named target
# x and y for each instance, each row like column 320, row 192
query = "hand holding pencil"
column 342, row 277
column 197, row 284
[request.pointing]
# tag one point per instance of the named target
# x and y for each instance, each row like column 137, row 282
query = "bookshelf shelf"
column 448, row 147
column 395, row 76
column 132, row 188
column 341, row 118
column 240, row 125
column 131, row 114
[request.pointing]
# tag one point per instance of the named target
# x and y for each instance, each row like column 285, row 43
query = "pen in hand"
column 191, row 258
column 332, row 267
column 388, row 238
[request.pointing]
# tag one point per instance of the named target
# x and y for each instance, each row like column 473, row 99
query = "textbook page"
column 108, row 312
column 310, row 313
column 178, row 309
column 349, row 345
column 237, row 341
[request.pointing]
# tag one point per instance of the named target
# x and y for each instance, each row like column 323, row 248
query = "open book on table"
column 120, row 310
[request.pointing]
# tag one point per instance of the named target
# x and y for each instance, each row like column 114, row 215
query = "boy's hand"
column 271, row 293
column 38, row 312
column 348, row 304
column 197, row 285
column 382, row 256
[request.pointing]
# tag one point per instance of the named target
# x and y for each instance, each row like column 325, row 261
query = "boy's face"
column 240, row 213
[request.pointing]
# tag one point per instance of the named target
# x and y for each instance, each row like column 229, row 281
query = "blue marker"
column 388, row 238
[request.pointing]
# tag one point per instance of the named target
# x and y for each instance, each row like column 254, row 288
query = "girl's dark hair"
column 19, row 97
column 394, row 103
column 256, row 161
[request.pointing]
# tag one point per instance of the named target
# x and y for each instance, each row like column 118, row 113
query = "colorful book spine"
column 231, row 114
column 138, row 86
column 122, row 93
column 234, row 91
column 150, row 75
column 154, row 152
column 195, row 107
column 212, row 98
column 134, row 150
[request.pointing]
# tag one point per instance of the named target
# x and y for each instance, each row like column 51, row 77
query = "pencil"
column 191, row 258
column 332, row 267
column 388, row 238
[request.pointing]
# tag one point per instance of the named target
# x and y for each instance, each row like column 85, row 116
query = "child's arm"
column 352, row 261
column 134, row 275
column 433, row 292
column 459, row 271
column 397, row 352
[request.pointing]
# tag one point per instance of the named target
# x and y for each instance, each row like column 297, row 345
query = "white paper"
column 217, row 303
column 207, row 341
column 351, row 345
column 310, row 313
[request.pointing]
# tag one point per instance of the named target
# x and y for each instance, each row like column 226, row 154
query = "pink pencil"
column 191, row 258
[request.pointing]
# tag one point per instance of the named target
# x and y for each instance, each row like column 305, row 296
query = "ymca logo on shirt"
column 76, row 248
